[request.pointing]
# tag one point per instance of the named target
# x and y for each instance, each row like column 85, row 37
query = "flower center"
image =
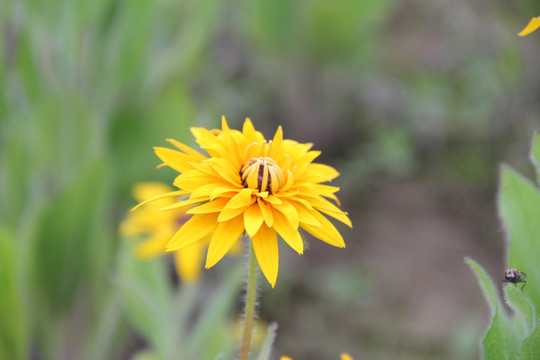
column 262, row 173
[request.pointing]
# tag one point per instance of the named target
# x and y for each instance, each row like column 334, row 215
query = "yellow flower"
column 531, row 26
column 160, row 226
column 249, row 184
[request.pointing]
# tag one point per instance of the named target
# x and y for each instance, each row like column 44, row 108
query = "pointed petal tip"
column 533, row 24
column 209, row 264
column 224, row 124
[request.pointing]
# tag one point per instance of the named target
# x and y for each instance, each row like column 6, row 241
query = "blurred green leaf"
column 105, row 338
column 520, row 303
column 63, row 253
column 530, row 348
column 300, row 28
column 519, row 204
column 146, row 293
column 146, row 355
column 208, row 337
column 500, row 341
column 13, row 340
column 486, row 284
column 266, row 347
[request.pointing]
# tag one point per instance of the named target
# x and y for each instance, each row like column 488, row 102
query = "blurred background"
column 415, row 102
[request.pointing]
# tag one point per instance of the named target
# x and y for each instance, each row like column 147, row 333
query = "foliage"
column 519, row 205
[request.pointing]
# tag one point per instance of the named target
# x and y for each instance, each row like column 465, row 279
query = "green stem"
column 251, row 298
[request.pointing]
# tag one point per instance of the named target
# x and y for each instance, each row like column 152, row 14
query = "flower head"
column 159, row 227
column 531, row 26
column 246, row 183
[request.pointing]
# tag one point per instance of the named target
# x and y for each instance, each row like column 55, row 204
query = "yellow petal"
column 277, row 143
column 174, row 193
column 333, row 197
column 188, row 262
column 263, row 194
column 266, row 211
column 153, row 246
column 345, row 356
column 193, row 179
column 223, row 192
column 265, row 246
column 227, row 214
column 304, row 202
column 289, row 210
column 226, row 171
column 531, row 26
column 224, row 125
column 240, row 200
column 206, row 190
column 327, row 207
column 305, row 216
column 322, row 189
column 147, row 190
column 209, row 207
column 289, row 182
column 193, row 230
column 249, row 132
column 288, row 233
column 181, row 204
column 175, row 159
column 274, row 200
column 339, row 216
column 253, row 219
column 317, row 173
column 224, row 237
column 186, row 149
column 326, row 232
column 285, row 358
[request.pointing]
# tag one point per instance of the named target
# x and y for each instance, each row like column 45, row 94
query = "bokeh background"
column 415, row 102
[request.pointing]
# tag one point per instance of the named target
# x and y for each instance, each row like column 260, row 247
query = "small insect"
column 514, row 276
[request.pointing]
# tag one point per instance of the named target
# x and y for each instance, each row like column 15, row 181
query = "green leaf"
column 535, row 155
column 500, row 341
column 146, row 294
column 530, row 348
column 12, row 321
column 266, row 347
column 486, row 284
column 522, row 306
column 206, row 340
column 65, row 251
column 519, row 204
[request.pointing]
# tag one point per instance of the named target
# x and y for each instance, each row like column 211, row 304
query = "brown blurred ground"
column 405, row 290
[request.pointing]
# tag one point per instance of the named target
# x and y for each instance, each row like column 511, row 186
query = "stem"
column 251, row 297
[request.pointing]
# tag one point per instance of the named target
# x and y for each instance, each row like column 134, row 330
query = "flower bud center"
column 262, row 173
